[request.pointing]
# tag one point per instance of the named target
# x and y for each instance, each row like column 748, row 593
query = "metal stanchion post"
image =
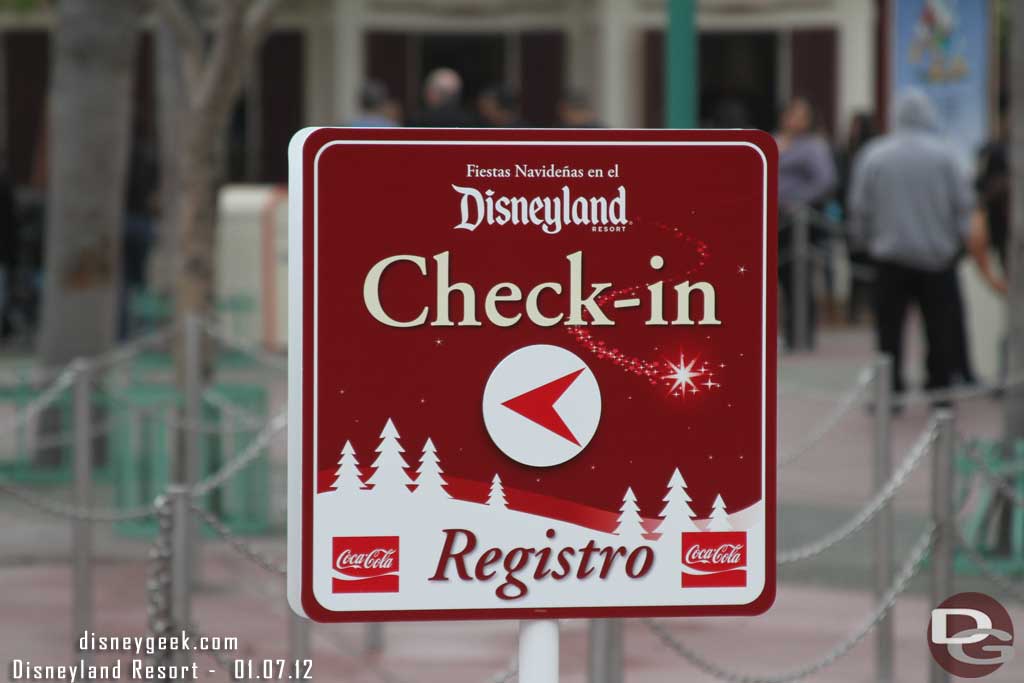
column 81, row 534
column 942, row 513
column 538, row 651
column 298, row 637
column 374, row 637
column 800, row 297
column 181, row 569
column 605, row 657
column 188, row 471
column 884, row 524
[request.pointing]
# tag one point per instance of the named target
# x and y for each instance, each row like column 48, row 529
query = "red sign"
column 537, row 366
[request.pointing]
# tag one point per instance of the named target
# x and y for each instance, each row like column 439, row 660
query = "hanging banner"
column 531, row 373
column 942, row 48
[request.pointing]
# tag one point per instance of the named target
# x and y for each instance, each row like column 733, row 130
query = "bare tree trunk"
column 212, row 72
column 1014, row 402
column 89, row 132
column 170, row 89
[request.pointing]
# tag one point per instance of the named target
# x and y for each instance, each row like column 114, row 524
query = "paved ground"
column 819, row 602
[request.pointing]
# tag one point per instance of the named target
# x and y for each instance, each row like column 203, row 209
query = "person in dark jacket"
column 442, row 93
column 911, row 207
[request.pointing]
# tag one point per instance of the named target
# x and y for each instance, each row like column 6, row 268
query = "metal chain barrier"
column 231, row 341
column 88, row 514
column 248, row 455
column 506, row 676
column 978, row 560
column 848, row 401
column 995, row 480
column 909, row 570
column 916, row 454
column 243, row 548
column 44, row 400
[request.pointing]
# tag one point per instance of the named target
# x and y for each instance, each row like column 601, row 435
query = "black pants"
column 934, row 292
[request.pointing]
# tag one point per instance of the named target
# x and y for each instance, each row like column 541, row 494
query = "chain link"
column 88, row 514
column 917, row 453
column 248, row 455
column 986, row 568
column 994, row 479
column 243, row 548
column 846, row 403
column 227, row 339
column 158, row 580
column 41, row 402
column 909, row 570
column 506, row 675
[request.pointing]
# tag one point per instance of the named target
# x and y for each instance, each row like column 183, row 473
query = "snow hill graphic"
column 381, row 507
column 390, row 480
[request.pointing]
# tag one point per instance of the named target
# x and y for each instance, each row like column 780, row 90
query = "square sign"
column 532, row 373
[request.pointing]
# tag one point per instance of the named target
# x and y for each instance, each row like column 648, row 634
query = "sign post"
column 532, row 376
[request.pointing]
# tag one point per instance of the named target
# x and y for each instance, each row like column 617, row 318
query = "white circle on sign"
column 542, row 405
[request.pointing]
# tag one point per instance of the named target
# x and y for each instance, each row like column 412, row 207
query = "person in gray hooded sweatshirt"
column 910, row 206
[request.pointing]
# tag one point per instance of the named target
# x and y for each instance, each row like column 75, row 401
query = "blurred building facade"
column 753, row 54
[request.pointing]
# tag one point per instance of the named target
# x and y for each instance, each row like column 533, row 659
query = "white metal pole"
column 884, row 523
column 538, row 651
column 605, row 665
column 298, row 637
column 942, row 512
column 190, row 465
column 81, row 534
column 181, row 574
column 374, row 637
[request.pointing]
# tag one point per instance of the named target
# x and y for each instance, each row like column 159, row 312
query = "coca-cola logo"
column 714, row 559
column 378, row 558
column 726, row 553
column 365, row 564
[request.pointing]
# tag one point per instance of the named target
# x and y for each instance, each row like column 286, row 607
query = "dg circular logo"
column 541, row 405
column 970, row 635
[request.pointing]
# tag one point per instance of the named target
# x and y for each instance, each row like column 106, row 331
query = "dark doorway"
column 479, row 59
column 738, row 80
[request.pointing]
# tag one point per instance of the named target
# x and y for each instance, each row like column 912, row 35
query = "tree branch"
column 222, row 73
column 257, row 21
column 188, row 34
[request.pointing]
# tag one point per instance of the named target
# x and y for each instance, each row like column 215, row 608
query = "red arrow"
column 538, row 405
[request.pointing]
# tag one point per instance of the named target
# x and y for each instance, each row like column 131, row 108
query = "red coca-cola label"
column 714, row 559
column 365, row 564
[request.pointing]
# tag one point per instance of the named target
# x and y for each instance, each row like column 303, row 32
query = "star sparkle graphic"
column 683, row 375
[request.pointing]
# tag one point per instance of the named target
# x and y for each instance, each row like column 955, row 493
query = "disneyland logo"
column 550, row 214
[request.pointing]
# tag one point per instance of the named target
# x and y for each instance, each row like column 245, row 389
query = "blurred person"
column 862, row 130
column 807, row 176
column 575, row 111
column 138, row 231
column 377, row 109
column 8, row 249
column 442, row 93
column 911, row 207
column 498, row 106
column 993, row 183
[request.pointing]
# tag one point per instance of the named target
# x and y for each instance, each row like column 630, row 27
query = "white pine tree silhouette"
column 496, row 498
column 630, row 522
column 677, row 515
column 719, row 517
column 429, row 477
column 390, row 475
column 346, row 477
